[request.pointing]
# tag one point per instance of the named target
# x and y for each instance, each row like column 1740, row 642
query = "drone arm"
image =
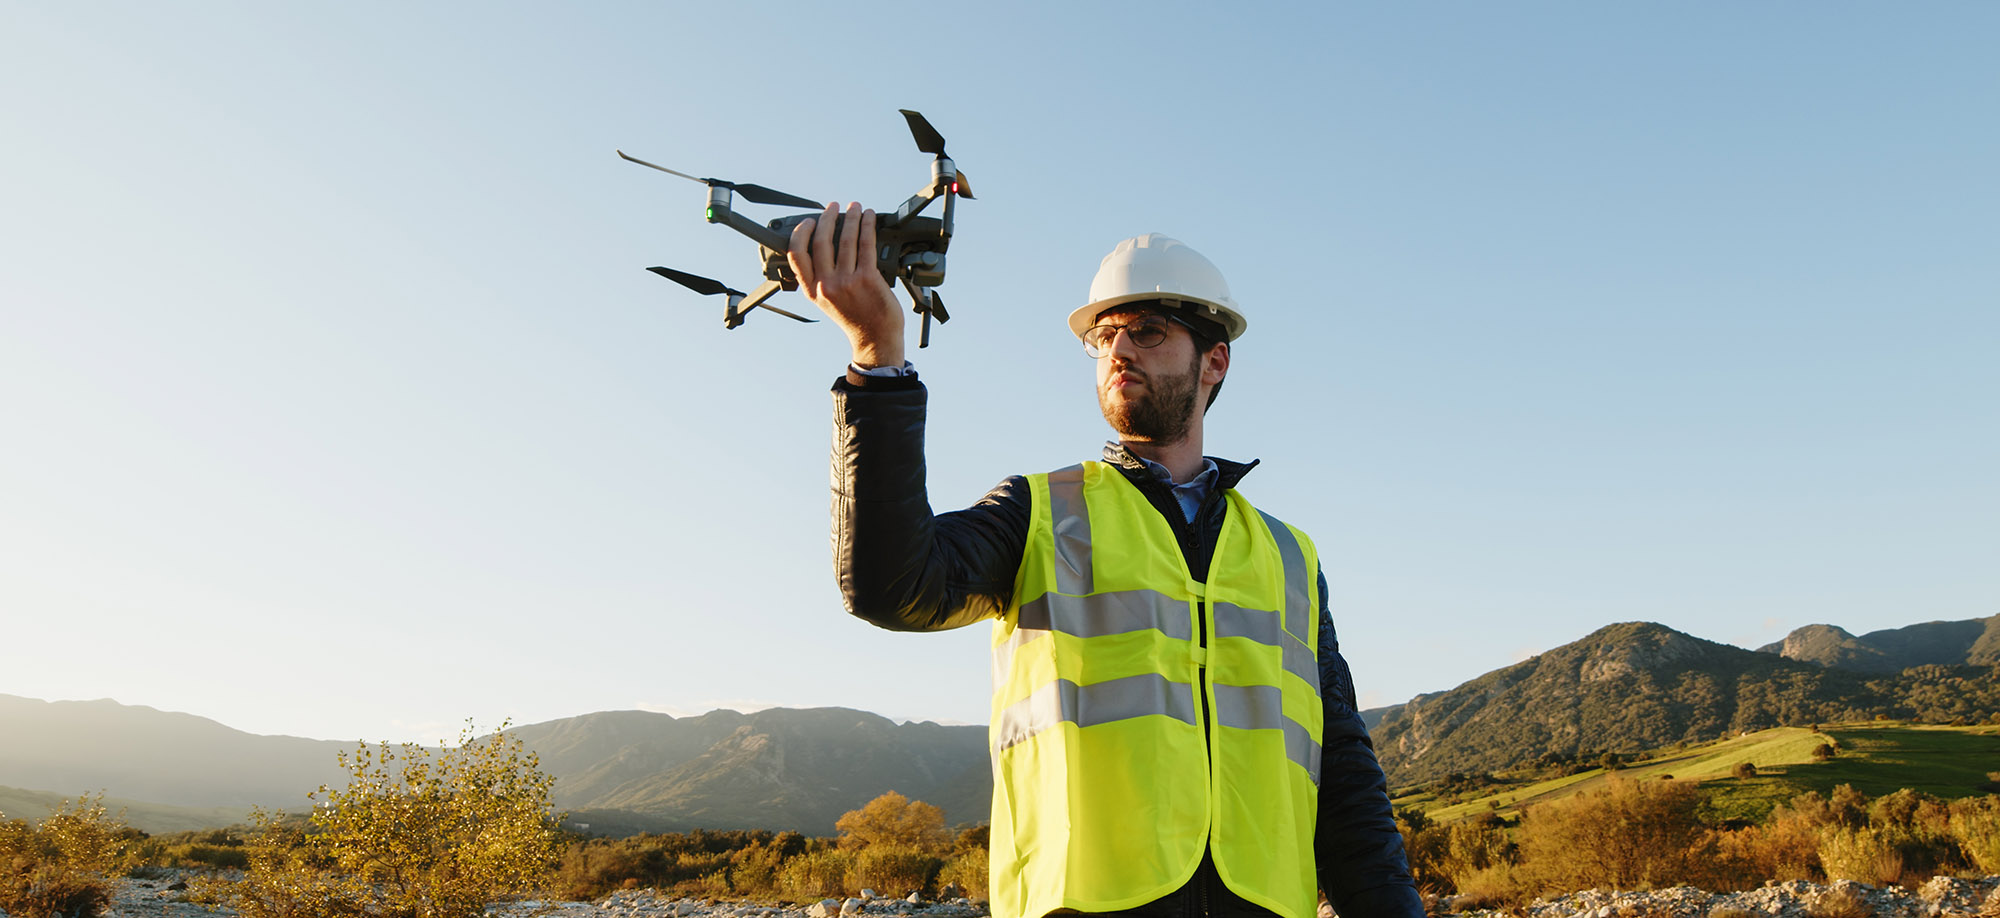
column 758, row 232
column 758, row 296
column 914, row 206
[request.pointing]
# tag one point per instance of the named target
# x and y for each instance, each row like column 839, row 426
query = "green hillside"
column 1876, row 757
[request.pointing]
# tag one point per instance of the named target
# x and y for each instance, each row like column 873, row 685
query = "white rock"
column 851, row 907
column 916, row 896
column 824, row 908
column 867, row 895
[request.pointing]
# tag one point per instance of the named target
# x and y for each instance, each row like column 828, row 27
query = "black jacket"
column 902, row 568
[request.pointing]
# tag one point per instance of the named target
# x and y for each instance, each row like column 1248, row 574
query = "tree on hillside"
column 416, row 832
column 893, row 819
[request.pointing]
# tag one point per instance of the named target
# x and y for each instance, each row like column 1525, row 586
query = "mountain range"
column 1635, row 686
column 617, row 771
column 1624, row 688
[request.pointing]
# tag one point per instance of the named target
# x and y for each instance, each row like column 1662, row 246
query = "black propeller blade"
column 757, row 194
column 694, row 282
column 709, row 286
column 932, row 142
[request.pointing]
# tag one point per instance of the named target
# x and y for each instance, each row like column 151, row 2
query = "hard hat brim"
column 1231, row 321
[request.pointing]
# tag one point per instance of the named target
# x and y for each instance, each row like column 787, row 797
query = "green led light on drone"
column 709, row 213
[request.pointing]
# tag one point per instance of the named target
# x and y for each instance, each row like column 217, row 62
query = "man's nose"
column 1122, row 347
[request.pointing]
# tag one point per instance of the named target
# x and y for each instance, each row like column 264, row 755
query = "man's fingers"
column 849, row 231
column 822, row 240
column 867, row 238
column 799, row 254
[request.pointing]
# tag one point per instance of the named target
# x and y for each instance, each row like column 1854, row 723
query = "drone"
column 909, row 247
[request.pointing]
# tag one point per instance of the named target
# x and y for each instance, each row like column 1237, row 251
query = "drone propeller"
column 757, row 194
column 932, row 142
column 695, row 282
column 709, row 286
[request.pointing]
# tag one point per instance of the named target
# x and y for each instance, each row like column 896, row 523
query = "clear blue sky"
column 337, row 401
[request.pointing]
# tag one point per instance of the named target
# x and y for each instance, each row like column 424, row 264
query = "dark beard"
column 1164, row 414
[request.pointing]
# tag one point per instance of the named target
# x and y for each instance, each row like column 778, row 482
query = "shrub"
column 416, row 832
column 1785, row 847
column 895, row 869
column 62, row 867
column 893, row 819
column 753, row 871
column 968, row 870
column 1975, row 825
column 1744, row 770
column 1839, row 902
column 1493, row 887
column 1629, row 835
column 816, row 874
column 1822, row 752
column 1865, row 855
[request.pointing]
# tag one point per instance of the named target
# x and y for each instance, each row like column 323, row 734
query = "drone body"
column 910, row 248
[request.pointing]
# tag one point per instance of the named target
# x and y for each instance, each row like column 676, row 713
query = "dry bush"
column 1786, row 847
column 1839, row 902
column 1728, row 911
column 816, row 875
column 895, row 869
column 417, row 832
column 893, row 819
column 1975, row 825
column 1444, row 858
column 1866, row 855
column 1498, row 886
column 969, row 871
column 753, row 871
column 1628, row 835
column 62, row 867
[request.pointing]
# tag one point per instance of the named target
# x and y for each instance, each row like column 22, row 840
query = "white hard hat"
column 1156, row 267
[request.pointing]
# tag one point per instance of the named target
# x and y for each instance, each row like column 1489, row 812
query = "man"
column 1174, row 730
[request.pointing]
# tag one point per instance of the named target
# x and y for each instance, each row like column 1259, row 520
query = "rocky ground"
column 1942, row 897
column 166, row 897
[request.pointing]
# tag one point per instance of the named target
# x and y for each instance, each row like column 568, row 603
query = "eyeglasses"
column 1146, row 331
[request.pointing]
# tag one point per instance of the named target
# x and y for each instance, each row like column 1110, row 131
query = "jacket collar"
column 1228, row 473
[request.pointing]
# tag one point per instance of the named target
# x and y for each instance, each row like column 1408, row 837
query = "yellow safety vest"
column 1140, row 716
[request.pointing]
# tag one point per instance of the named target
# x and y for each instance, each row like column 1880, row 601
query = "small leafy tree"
column 62, row 867
column 893, row 819
column 416, row 833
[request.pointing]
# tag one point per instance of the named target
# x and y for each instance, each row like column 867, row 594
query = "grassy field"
column 1875, row 757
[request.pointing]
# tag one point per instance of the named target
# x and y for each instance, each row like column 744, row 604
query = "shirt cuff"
column 907, row 369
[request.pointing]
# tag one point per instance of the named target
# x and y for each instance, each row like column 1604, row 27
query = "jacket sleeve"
column 899, row 566
column 1360, row 856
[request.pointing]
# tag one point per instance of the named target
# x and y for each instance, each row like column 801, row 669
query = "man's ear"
column 1215, row 364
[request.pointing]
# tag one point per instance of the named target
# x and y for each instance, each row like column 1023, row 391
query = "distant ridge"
column 1974, row 642
column 619, row 770
column 780, row 768
column 140, row 753
column 1639, row 685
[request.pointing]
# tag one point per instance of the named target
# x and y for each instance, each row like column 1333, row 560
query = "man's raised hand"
column 841, row 279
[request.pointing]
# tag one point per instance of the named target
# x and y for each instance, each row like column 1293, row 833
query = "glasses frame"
column 1097, row 353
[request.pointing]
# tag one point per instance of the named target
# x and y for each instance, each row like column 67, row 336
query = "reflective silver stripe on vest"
column 1063, row 701
column 1232, row 620
column 1070, row 520
column 1119, row 612
column 1262, row 707
column 1298, row 580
